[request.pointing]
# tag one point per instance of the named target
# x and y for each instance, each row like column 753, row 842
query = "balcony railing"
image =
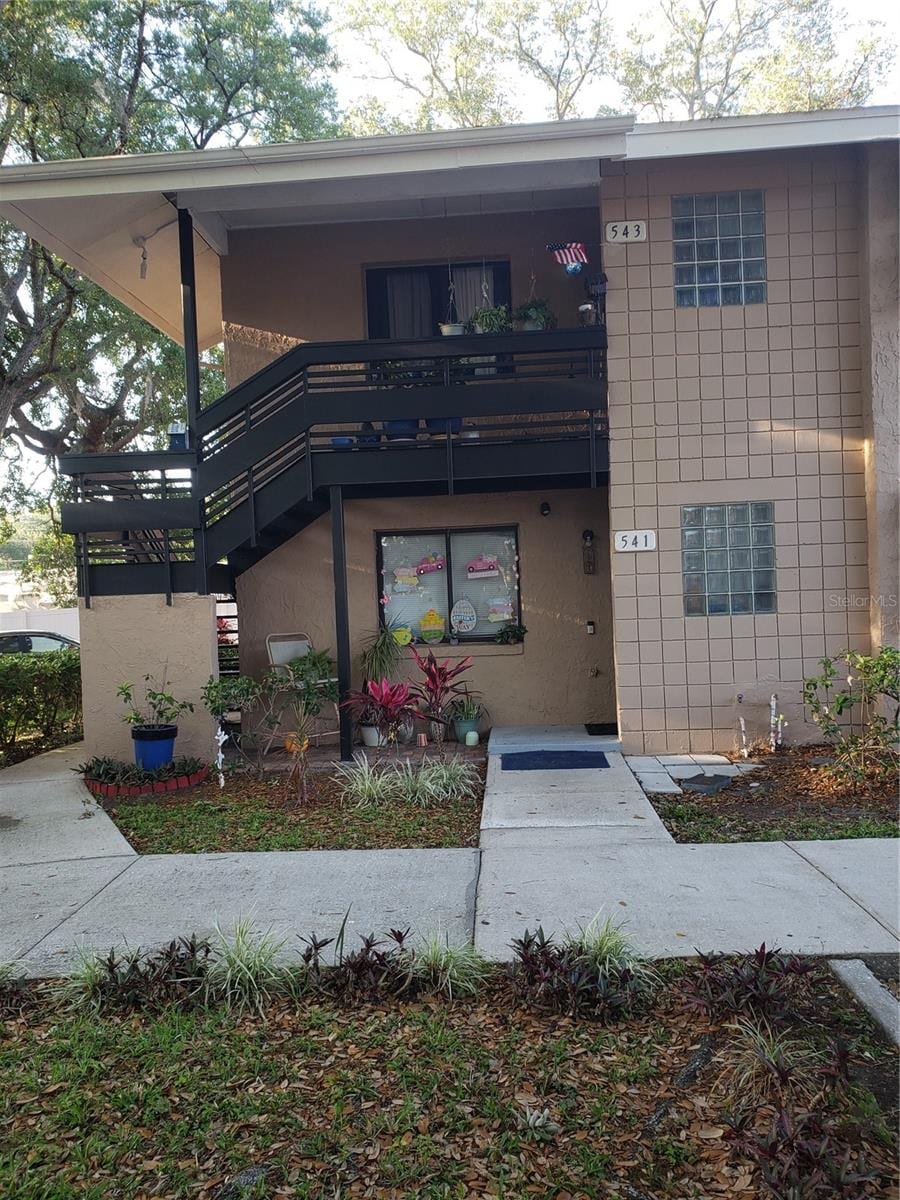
column 345, row 412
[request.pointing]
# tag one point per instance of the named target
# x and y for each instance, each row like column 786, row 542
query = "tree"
column 443, row 56
column 715, row 58
column 51, row 564
column 88, row 77
column 564, row 44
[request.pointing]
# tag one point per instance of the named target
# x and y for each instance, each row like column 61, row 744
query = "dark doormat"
column 602, row 729
column 554, row 760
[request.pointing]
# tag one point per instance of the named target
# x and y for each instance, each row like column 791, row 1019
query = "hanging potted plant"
column 449, row 327
column 535, row 314
column 153, row 725
column 494, row 319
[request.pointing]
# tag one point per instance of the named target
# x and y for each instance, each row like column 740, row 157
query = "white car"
column 25, row 641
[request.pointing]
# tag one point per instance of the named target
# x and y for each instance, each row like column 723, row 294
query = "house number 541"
column 635, row 539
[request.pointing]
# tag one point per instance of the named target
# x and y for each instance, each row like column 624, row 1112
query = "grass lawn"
column 423, row 1099
column 252, row 815
column 787, row 798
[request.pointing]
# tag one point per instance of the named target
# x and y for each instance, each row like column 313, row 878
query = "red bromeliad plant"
column 439, row 687
column 383, row 704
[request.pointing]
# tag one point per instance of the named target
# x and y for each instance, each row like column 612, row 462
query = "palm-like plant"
column 439, row 687
column 386, row 705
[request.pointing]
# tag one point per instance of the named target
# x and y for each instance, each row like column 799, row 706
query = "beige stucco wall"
column 308, row 282
column 561, row 675
column 880, row 213
column 124, row 638
column 761, row 402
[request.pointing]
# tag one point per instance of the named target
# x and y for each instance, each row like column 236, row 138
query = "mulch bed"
column 787, row 796
column 249, row 814
column 423, row 1099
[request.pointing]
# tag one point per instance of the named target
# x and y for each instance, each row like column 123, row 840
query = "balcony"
column 446, row 414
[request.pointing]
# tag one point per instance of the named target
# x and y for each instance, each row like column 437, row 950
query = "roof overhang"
column 100, row 213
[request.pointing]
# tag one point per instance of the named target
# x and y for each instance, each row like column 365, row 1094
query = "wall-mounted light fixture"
column 588, row 552
column 545, row 509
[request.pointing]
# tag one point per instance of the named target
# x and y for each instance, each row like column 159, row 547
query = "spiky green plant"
column 452, row 779
column 83, row 987
column 363, row 783
column 765, row 1064
column 413, row 784
column 606, row 948
column 449, row 968
column 247, row 970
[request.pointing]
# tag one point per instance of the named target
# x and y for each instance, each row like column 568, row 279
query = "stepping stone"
column 661, row 782
column 639, row 762
column 677, row 760
column 708, row 785
column 687, row 771
column 711, row 759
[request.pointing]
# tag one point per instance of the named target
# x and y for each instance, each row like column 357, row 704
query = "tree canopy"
column 92, row 77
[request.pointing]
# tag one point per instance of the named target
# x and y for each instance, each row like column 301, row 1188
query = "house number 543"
column 626, row 231
column 635, row 539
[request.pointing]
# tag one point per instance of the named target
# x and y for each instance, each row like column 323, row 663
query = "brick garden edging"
column 128, row 791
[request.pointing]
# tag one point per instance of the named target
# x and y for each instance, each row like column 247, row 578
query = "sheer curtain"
column 409, row 304
column 467, row 288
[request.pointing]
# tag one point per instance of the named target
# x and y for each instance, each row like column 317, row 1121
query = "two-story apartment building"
column 685, row 489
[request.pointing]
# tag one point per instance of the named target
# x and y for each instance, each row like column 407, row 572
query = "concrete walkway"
column 563, row 808
column 553, row 855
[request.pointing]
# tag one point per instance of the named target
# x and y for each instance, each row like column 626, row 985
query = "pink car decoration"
column 431, row 562
column 483, row 565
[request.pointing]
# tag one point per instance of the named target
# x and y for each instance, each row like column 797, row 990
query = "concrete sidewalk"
column 70, row 880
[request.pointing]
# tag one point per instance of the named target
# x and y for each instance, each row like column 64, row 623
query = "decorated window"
column 446, row 585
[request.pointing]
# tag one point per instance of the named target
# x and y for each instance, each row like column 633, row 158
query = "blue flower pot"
column 401, row 431
column 342, row 443
column 154, row 745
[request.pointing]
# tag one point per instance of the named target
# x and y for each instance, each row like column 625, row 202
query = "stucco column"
column 124, row 638
column 881, row 385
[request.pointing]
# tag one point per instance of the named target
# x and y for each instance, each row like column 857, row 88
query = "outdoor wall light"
column 545, row 509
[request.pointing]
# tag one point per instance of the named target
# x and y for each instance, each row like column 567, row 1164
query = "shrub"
column 861, row 719
column 126, row 774
column 422, row 785
column 246, row 970
column 39, row 694
column 800, row 1158
column 767, row 1064
column 378, row 970
column 136, row 979
column 578, row 977
column 763, row 983
column 449, row 969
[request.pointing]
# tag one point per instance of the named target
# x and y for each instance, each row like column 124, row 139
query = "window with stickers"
column 443, row 585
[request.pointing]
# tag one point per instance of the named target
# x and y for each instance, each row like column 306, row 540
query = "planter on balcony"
column 401, row 430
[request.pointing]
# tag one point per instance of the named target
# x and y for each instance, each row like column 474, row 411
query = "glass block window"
column 719, row 249
column 728, row 558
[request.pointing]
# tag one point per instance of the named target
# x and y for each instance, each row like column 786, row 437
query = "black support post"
column 341, row 616
column 189, row 321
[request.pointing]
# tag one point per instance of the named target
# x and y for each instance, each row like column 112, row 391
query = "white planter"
column 532, row 326
column 370, row 736
column 452, row 329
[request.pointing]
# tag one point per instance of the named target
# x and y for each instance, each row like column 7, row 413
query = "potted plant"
column 383, row 706
column 439, row 687
column 465, row 711
column 536, row 313
column 452, row 328
column 511, row 634
column 491, row 320
column 153, row 725
column 379, row 659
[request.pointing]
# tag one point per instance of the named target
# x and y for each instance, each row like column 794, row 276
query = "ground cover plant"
column 40, row 703
column 374, row 809
column 789, row 796
column 366, row 1079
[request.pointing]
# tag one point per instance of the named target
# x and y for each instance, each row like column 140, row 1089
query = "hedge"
column 40, row 694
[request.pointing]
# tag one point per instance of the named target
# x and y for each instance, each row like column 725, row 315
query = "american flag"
column 568, row 252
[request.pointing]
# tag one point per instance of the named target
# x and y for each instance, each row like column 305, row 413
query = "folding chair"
column 282, row 649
